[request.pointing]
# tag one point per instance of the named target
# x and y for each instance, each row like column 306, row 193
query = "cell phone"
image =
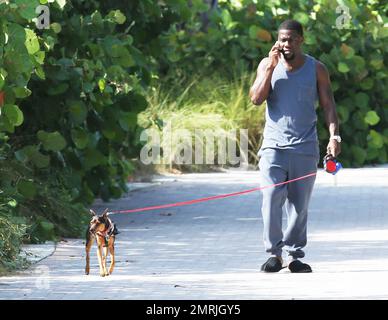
column 281, row 49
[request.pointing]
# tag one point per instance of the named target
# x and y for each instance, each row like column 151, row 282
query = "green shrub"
column 43, row 201
column 69, row 97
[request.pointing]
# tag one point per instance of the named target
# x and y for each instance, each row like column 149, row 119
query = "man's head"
column 290, row 37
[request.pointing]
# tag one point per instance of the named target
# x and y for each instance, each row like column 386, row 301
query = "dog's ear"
column 92, row 212
column 105, row 213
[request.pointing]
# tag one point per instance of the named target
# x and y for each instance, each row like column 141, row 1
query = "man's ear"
column 105, row 213
column 92, row 212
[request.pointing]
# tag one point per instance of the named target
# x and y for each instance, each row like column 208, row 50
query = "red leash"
column 183, row 203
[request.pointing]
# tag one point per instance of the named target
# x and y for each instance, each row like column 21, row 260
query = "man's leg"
column 272, row 170
column 298, row 198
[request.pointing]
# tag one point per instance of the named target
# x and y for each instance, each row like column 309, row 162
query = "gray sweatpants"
column 278, row 166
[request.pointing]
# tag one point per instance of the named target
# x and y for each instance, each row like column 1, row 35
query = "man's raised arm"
column 261, row 87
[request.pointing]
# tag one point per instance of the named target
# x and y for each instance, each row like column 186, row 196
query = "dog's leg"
column 111, row 245
column 104, row 259
column 100, row 243
column 88, row 246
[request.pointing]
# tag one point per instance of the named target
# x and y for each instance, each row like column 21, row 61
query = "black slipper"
column 298, row 266
column 273, row 264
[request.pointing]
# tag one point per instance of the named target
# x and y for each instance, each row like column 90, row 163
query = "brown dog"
column 104, row 231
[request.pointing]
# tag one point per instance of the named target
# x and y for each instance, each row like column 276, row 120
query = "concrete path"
column 214, row 250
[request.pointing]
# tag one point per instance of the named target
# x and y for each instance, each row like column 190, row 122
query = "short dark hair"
column 291, row 25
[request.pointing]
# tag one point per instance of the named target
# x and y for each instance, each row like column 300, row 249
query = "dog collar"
column 107, row 231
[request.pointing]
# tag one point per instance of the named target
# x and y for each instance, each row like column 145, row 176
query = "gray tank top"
column 290, row 114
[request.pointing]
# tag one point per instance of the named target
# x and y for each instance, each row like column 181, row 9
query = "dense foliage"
column 69, row 99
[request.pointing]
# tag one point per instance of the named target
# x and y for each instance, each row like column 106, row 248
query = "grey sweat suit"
column 289, row 150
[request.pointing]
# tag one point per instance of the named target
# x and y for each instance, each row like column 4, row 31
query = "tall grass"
column 12, row 231
column 214, row 103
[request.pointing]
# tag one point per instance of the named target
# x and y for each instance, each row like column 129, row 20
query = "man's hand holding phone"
column 274, row 54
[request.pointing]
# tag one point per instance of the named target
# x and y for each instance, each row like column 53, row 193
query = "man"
column 291, row 82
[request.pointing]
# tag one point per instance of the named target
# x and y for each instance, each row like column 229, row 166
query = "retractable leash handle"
column 331, row 165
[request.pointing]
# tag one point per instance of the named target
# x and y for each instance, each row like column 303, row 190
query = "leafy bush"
column 82, row 114
column 69, row 98
column 43, row 202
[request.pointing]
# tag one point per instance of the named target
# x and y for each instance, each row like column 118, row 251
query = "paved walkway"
column 213, row 250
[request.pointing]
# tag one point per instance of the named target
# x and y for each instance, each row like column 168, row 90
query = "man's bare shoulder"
column 263, row 63
column 321, row 68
